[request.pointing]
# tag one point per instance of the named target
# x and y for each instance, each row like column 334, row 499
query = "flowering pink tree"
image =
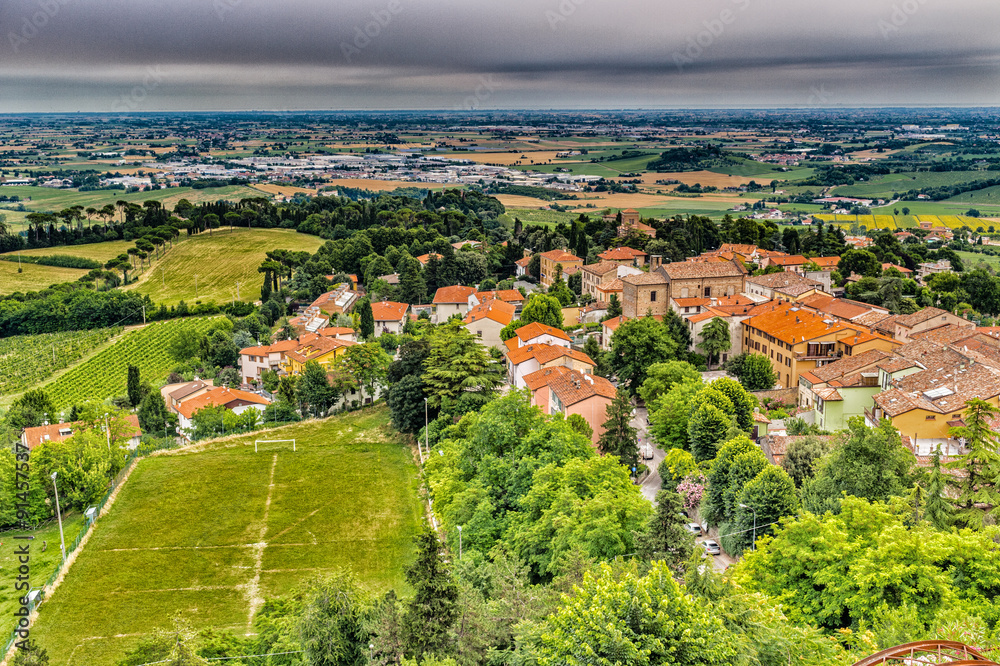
column 691, row 488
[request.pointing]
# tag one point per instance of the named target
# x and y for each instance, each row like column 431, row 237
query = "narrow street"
column 651, row 485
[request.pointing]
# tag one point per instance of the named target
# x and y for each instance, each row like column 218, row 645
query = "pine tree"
column 620, row 438
column 979, row 491
column 665, row 538
column 134, row 389
column 614, row 307
column 431, row 614
column 936, row 507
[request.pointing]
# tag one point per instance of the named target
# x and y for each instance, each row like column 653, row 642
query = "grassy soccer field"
column 219, row 260
column 209, row 532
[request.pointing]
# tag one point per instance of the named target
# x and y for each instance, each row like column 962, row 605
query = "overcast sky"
column 146, row 55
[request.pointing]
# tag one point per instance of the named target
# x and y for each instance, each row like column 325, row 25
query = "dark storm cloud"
column 85, row 55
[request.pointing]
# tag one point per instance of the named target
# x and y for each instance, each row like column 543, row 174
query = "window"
column 930, row 417
column 780, row 358
column 479, row 334
column 708, row 292
column 652, row 297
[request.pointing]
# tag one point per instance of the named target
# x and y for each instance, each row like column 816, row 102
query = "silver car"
column 711, row 547
column 693, row 528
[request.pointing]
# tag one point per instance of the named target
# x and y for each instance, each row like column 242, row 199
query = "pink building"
column 565, row 391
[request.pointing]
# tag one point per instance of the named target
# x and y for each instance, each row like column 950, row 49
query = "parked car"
column 647, row 452
column 711, row 547
column 693, row 528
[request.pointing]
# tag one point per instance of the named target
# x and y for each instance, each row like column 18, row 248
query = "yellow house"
column 797, row 340
column 322, row 350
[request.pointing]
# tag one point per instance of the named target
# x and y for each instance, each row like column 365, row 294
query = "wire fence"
column 142, row 451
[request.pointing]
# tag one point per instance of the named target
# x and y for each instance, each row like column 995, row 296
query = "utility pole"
column 144, row 314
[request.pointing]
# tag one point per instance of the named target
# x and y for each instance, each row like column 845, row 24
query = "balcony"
column 870, row 420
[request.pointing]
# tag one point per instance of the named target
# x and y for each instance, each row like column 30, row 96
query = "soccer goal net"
column 258, row 442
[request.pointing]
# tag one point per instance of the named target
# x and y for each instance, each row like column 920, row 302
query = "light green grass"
column 50, row 199
column 970, row 259
column 42, row 564
column 180, row 539
column 105, row 374
column 884, row 186
column 34, row 277
column 219, row 260
column 96, row 251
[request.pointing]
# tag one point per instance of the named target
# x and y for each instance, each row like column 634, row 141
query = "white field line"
column 252, row 588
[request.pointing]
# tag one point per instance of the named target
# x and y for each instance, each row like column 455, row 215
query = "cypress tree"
column 431, row 614
column 364, row 310
column 134, row 392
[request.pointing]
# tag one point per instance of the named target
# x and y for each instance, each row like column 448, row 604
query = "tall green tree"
column 665, row 537
column 752, row 370
column 543, row 309
column 661, row 377
column 619, row 438
column 979, row 489
column 133, row 386
column 459, row 374
column 366, row 318
column 313, row 391
column 431, row 613
column 743, row 402
column 764, row 500
column 707, row 428
column 715, row 339
column 368, row 364
column 614, row 307
column 937, row 509
column 669, row 414
column 636, row 345
column 333, row 625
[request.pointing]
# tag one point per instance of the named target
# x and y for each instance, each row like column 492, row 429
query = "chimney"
column 655, row 261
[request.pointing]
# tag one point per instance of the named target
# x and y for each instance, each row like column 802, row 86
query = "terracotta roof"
column 602, row 268
column 944, row 334
column 425, row 258
column 839, row 307
column 192, row 387
column 902, row 269
column 389, row 310
column 793, row 260
column 331, row 331
column 644, row 279
column 943, row 390
column 613, row 323
column 919, row 317
column 760, row 418
column 621, row 254
column 611, row 286
column 738, row 299
column 795, row 325
column 455, row 294
column 785, row 281
column 826, row 262
column 493, row 309
column 682, row 270
column 692, row 302
column 219, row 396
column 847, row 365
column 536, row 329
column 506, row 295
column 539, row 378
column 560, row 256
column 544, row 353
column 573, row 387
column 739, row 248
column 523, row 262
column 316, row 348
column 57, row 432
column 829, row 394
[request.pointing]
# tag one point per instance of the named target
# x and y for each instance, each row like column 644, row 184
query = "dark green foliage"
column 431, row 614
column 665, row 537
column 154, row 417
column 801, row 456
column 31, row 409
column 314, row 392
column 134, row 392
column 636, row 345
column 619, row 437
column 707, row 427
column 367, row 319
column 743, row 402
column 754, row 371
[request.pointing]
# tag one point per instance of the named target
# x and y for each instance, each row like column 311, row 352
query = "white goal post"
column 271, row 441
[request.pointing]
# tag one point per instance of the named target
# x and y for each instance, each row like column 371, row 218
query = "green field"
column 970, row 259
column 218, row 260
column 884, row 186
column 896, row 222
column 53, row 200
column 26, row 360
column 43, row 565
column 209, row 532
column 96, row 251
column 34, row 277
column 104, row 375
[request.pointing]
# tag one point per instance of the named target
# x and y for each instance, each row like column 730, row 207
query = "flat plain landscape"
column 209, row 532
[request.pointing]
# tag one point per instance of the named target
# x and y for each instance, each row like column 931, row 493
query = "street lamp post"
column 753, row 545
column 426, row 445
column 460, row 542
column 62, row 539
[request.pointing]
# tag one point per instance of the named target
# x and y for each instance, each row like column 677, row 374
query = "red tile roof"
column 493, row 309
column 539, row 378
column 573, row 387
column 560, row 256
column 536, row 329
column 219, row 396
column 35, row 436
column 683, row 270
column 389, row 310
column 455, row 294
column 622, row 254
column 317, row 347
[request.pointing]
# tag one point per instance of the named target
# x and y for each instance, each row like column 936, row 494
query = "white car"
column 711, row 547
column 693, row 528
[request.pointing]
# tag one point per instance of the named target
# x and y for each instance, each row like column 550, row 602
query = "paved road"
column 651, row 485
